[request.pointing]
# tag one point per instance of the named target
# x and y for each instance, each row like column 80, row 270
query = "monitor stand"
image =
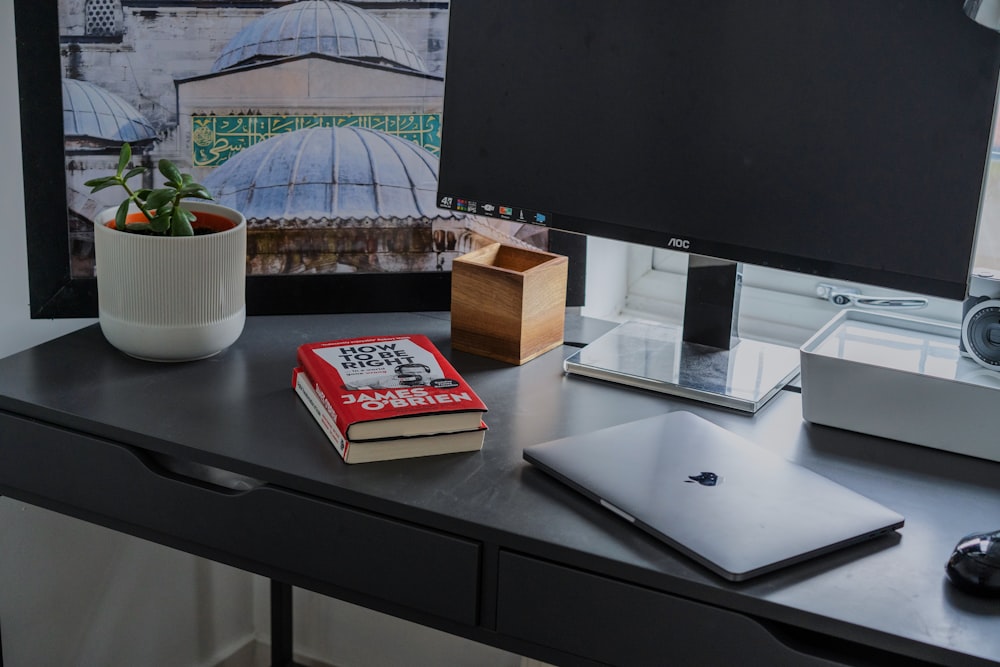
column 705, row 359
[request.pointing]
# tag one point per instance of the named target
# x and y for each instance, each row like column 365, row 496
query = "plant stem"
column 135, row 198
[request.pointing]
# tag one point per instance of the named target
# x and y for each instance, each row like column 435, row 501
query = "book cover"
column 390, row 386
column 382, row 449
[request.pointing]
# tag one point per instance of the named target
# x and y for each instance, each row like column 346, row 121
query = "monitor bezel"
column 949, row 287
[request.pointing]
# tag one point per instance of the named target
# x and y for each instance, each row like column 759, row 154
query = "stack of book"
column 388, row 397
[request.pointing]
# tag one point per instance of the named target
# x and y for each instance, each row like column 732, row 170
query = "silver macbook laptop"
column 731, row 505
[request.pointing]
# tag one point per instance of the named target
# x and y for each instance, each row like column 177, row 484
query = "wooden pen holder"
column 508, row 303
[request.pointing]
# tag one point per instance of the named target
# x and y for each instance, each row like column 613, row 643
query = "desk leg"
column 282, row 649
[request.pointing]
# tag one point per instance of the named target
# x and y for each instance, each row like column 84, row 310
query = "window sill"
column 775, row 306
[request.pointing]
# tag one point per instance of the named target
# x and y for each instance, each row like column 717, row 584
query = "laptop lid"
column 731, row 505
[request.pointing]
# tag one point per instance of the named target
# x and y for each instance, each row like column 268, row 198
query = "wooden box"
column 508, row 303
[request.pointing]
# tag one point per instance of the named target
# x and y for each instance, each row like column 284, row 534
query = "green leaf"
column 171, row 172
column 121, row 215
column 94, row 182
column 104, row 184
column 159, row 198
column 123, row 157
column 181, row 223
column 161, row 221
column 196, row 190
column 135, row 171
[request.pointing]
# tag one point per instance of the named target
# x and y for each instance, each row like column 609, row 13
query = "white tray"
column 902, row 378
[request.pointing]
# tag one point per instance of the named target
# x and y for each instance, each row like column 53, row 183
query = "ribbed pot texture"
column 172, row 298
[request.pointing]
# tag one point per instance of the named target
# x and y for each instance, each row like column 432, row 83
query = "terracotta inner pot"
column 203, row 220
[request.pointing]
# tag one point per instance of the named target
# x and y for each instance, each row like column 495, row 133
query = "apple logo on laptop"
column 705, row 479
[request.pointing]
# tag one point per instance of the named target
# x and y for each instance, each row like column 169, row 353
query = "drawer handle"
column 835, row 649
column 214, row 479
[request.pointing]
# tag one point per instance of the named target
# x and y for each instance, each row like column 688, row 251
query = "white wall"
column 607, row 278
column 73, row 593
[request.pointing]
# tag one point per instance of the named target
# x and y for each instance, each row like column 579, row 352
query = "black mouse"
column 974, row 566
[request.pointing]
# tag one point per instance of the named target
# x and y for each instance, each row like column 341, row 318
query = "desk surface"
column 237, row 412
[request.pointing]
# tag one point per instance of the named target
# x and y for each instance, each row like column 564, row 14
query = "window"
column 103, row 18
column 988, row 245
column 775, row 306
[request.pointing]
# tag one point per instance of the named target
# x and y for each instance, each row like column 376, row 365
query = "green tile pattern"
column 215, row 139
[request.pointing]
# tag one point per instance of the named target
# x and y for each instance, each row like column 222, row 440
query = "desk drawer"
column 623, row 624
column 267, row 529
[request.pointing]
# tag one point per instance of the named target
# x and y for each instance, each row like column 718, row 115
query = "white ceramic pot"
column 172, row 298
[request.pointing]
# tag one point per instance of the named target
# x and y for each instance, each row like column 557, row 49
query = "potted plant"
column 171, row 267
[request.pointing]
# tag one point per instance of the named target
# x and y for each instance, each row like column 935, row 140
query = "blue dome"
column 92, row 112
column 323, row 27
column 330, row 174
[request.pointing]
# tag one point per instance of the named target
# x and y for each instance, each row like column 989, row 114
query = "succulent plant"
column 165, row 215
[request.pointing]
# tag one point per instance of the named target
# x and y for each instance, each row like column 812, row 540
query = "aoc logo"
column 682, row 244
column 705, row 479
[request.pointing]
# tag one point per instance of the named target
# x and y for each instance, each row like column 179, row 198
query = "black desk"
column 482, row 545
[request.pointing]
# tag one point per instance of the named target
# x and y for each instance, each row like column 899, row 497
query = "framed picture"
column 319, row 120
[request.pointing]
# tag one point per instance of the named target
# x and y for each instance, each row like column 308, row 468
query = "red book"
column 390, row 387
column 382, row 449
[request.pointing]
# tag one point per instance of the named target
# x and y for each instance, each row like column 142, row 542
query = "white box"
column 902, row 378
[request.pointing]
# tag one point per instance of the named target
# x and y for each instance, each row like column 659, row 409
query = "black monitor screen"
column 844, row 138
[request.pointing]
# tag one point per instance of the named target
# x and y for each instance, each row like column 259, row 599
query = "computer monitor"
column 843, row 138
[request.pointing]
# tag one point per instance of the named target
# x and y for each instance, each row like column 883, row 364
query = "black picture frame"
column 55, row 293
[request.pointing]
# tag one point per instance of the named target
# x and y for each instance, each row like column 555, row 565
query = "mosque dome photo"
column 330, row 175
column 335, row 199
column 323, row 27
column 95, row 115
